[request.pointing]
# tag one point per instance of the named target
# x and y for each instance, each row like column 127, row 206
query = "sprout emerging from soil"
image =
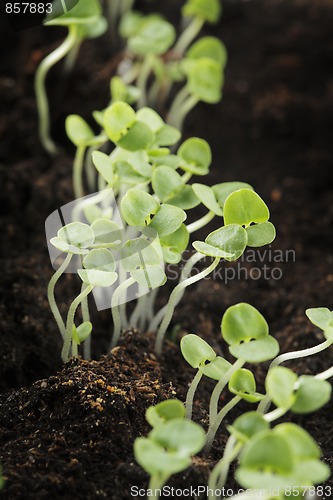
column 167, row 450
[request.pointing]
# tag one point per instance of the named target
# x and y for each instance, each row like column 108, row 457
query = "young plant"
column 246, row 223
column 167, row 450
column 199, row 354
column 199, row 12
column 84, row 20
column 285, row 457
column 164, row 412
column 323, row 319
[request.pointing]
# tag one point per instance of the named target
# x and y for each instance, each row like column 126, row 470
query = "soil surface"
column 68, row 432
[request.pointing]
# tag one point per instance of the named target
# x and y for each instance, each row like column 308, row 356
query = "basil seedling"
column 83, row 20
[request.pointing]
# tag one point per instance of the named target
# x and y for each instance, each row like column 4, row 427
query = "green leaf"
column 167, row 220
column 96, row 28
column 184, row 198
column 312, row 472
column 319, row 316
column 78, row 130
column 154, row 459
column 311, row 394
column 303, row 446
column 118, row 119
column 107, row 234
column 150, row 118
column 103, row 164
column 167, row 136
column 269, row 452
column 130, row 23
column 172, row 161
column 245, row 207
column 243, row 384
column 122, row 92
column 149, row 276
column 280, row 385
column 208, row 47
column 127, row 174
column 179, row 435
column 138, row 207
column 196, row 351
column 207, row 196
column 138, row 137
column 85, row 11
column 246, row 331
column 196, row 156
column 223, row 190
column 74, row 238
column 260, row 234
column 230, row 239
column 138, row 253
column 174, row 244
column 96, row 277
column 153, row 37
column 139, row 161
column 243, row 322
column 82, row 332
column 166, row 182
column 216, row 369
column 207, row 10
column 94, row 212
column 247, row 425
column 165, row 411
column 100, row 259
column 205, row 80
column 256, row 351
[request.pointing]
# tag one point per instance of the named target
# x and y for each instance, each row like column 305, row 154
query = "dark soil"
column 68, row 432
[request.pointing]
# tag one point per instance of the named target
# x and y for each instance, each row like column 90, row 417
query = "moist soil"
column 68, row 431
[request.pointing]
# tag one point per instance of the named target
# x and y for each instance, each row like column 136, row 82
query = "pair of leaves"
column 140, row 209
column 323, row 318
column 99, row 268
column 199, row 354
column 246, row 331
column 169, row 447
column 245, row 208
column 284, row 456
column 302, row 395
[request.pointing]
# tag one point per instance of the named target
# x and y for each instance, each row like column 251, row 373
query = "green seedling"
column 199, row 354
column 242, row 430
column 84, row 20
column 164, row 412
column 320, row 317
column 242, row 384
column 77, row 239
column 229, row 243
column 304, row 394
column 80, row 334
column 284, row 457
column 199, row 11
column 246, row 332
column 167, row 450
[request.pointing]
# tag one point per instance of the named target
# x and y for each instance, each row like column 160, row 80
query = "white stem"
column 40, row 90
column 115, row 309
column 188, row 35
column 191, row 392
column 275, row 414
column 325, row 375
column 175, row 298
column 198, row 224
column 214, row 400
column 213, row 428
column 51, row 297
